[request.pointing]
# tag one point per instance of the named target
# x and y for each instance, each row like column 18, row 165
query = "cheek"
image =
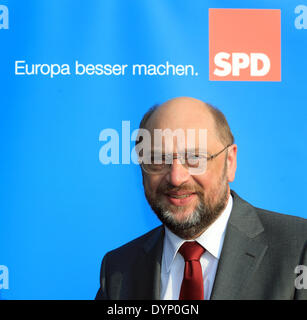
column 202, row 180
column 205, row 183
column 151, row 183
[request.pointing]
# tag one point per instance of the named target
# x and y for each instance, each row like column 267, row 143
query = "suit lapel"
column 146, row 285
column 243, row 249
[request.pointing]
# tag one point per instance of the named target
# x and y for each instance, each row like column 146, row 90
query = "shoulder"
column 133, row 247
column 283, row 225
column 278, row 227
column 280, row 218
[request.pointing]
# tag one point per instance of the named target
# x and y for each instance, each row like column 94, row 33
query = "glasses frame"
column 176, row 157
column 218, row 153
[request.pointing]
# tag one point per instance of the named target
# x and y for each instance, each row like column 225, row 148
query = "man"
column 212, row 244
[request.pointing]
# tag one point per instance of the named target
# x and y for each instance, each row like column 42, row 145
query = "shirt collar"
column 212, row 239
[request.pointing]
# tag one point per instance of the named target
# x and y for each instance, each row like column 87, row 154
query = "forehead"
column 185, row 115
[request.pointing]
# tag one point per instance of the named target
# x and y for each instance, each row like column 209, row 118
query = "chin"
column 183, row 218
column 180, row 214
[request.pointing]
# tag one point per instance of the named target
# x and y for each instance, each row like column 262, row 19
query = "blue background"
column 61, row 210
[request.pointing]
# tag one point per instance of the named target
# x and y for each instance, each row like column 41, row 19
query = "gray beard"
column 198, row 221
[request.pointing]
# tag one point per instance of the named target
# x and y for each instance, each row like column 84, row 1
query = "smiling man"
column 187, row 204
column 212, row 244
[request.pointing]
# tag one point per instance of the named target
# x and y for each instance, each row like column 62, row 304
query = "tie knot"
column 191, row 250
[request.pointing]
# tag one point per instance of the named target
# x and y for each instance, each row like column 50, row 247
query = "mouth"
column 180, row 198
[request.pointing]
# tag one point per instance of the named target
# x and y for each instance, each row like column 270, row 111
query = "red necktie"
column 192, row 287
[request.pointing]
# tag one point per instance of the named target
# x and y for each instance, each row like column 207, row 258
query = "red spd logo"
column 244, row 45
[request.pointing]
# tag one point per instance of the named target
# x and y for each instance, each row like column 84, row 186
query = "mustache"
column 170, row 188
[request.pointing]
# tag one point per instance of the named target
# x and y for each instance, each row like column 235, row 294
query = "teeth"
column 180, row 197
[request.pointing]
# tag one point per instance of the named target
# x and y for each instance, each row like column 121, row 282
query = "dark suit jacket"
column 260, row 252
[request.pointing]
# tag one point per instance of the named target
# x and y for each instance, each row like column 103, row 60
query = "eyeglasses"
column 162, row 163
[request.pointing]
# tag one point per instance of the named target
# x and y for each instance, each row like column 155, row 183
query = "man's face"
column 187, row 204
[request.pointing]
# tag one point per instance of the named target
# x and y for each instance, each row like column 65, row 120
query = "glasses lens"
column 195, row 160
column 155, row 168
column 155, row 163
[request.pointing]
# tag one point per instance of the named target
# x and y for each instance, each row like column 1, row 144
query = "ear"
column 232, row 162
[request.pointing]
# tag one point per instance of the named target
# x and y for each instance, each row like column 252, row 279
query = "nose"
column 178, row 174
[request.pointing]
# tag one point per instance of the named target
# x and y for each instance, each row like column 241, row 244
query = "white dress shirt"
column 173, row 263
